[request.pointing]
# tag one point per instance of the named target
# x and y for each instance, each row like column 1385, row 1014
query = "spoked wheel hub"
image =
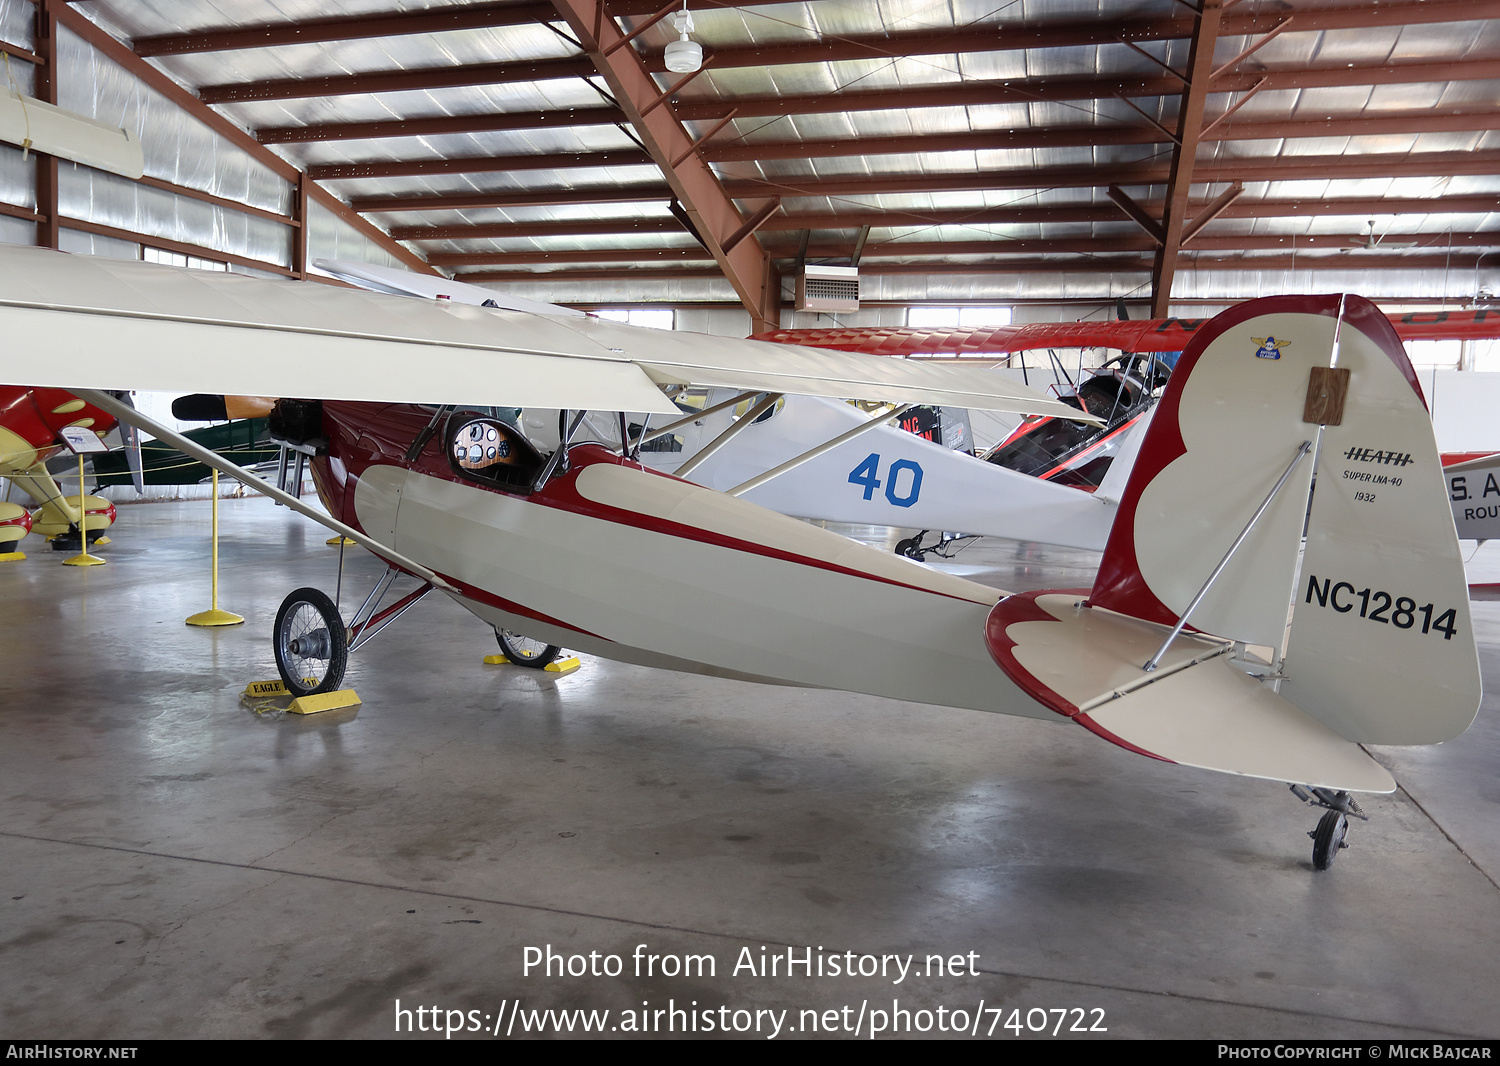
column 525, row 651
column 314, row 645
column 310, row 643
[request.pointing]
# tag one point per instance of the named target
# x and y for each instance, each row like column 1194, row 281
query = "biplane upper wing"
column 142, row 326
column 1142, row 335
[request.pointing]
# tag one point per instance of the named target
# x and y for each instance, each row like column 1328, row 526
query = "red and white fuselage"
column 693, row 580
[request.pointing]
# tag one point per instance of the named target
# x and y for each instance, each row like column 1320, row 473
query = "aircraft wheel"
column 310, row 642
column 523, row 651
column 911, row 547
column 1328, row 839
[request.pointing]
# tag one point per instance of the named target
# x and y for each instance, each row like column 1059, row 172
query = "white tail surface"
column 1381, row 647
column 1227, row 427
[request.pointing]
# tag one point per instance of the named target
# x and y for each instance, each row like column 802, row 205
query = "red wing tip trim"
column 1485, row 591
column 1098, row 730
column 1023, row 607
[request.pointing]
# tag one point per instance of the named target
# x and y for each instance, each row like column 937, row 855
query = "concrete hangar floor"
column 174, row 865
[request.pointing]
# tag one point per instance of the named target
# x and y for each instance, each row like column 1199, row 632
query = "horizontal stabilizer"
column 1197, row 708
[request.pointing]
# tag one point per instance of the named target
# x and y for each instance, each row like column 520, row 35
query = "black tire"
column 310, row 643
column 523, row 651
column 911, row 547
column 1328, row 839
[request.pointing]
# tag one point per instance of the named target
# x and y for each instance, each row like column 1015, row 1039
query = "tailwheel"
column 524, row 651
column 1333, row 828
column 1328, row 838
column 310, row 643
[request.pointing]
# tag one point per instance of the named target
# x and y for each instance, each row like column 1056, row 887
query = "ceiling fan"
column 1369, row 241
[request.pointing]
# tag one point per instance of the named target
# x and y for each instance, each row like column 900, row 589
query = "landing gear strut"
column 912, row 547
column 1329, row 837
column 311, row 642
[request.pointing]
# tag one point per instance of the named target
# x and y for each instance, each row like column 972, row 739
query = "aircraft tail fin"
column 1390, row 657
column 1380, row 648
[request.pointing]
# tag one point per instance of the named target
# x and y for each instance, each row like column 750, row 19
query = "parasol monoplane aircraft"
column 1182, row 650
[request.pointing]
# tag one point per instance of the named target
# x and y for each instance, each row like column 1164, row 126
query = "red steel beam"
column 927, row 249
column 1295, row 168
column 1464, row 261
column 979, row 37
column 963, row 95
column 1132, row 243
column 642, row 193
column 1200, row 67
column 925, row 144
column 621, row 273
column 1427, row 121
column 600, row 255
column 343, row 28
column 1362, row 207
column 434, row 127
column 26, row 214
column 393, row 81
column 578, row 227
column 20, row 53
column 1354, row 261
column 625, row 157
column 1033, row 90
column 390, row 24
column 1066, row 33
column 44, row 85
column 624, row 8
column 299, row 237
column 948, row 268
column 221, row 201
column 714, row 215
column 1092, row 212
column 180, row 247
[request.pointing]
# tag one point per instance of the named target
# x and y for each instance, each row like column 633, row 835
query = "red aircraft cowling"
column 35, row 417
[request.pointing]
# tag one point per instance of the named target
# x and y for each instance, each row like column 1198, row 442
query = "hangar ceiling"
column 1145, row 140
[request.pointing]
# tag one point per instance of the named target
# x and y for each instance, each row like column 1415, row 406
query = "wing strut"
column 812, row 453
column 749, row 417
column 694, row 417
column 105, row 402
